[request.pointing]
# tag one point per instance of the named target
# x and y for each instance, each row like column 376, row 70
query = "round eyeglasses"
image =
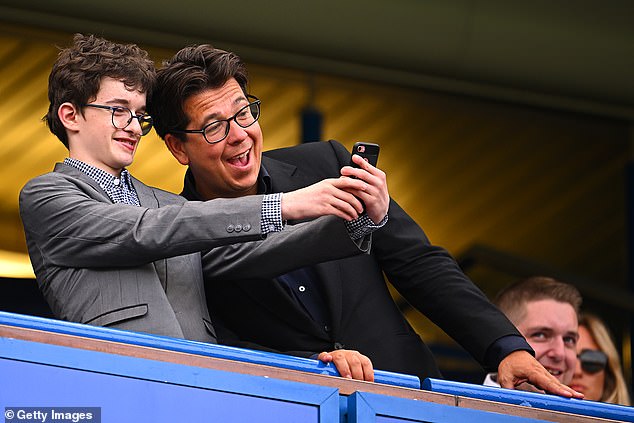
column 592, row 361
column 216, row 131
column 122, row 117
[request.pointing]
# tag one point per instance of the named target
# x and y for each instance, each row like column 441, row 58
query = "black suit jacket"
column 362, row 313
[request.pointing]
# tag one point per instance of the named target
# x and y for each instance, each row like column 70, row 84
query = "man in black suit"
column 207, row 119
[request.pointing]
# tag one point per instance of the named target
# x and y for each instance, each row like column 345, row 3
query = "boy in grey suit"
column 109, row 250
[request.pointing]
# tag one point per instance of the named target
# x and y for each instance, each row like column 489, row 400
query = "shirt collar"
column 99, row 175
column 265, row 186
column 106, row 181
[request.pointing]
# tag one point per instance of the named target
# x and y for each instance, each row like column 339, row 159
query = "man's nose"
column 134, row 126
column 236, row 133
column 557, row 348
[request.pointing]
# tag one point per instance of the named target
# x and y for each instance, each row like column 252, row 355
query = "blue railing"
column 193, row 347
column 532, row 399
column 31, row 362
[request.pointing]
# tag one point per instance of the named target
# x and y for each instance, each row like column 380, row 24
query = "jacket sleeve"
column 323, row 239
column 69, row 226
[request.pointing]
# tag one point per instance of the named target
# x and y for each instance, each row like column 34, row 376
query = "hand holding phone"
column 375, row 196
column 369, row 151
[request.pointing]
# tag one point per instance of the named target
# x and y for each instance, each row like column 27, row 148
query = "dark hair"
column 79, row 69
column 512, row 299
column 192, row 70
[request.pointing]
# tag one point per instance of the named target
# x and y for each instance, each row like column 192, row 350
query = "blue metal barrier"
column 194, row 347
column 112, row 382
column 369, row 407
column 532, row 399
column 124, row 389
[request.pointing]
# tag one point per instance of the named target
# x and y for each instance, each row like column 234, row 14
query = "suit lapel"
column 78, row 174
column 148, row 199
column 285, row 177
column 145, row 194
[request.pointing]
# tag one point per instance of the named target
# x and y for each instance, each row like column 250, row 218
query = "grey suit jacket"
column 139, row 268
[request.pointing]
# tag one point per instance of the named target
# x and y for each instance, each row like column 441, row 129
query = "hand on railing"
column 520, row 368
column 350, row 364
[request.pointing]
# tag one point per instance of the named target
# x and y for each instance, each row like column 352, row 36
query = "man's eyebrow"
column 124, row 103
column 215, row 115
column 118, row 101
column 540, row 328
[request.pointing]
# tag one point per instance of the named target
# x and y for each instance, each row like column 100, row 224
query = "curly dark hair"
column 77, row 73
column 191, row 70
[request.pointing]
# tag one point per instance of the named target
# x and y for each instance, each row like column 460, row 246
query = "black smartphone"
column 369, row 151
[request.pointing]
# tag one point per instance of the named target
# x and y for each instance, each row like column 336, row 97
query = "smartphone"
column 369, row 151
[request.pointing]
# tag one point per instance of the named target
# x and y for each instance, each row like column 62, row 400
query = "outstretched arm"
column 72, row 225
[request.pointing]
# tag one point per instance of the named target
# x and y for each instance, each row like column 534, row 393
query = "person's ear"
column 177, row 148
column 69, row 115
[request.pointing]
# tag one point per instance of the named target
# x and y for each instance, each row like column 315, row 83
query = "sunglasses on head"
column 592, row 361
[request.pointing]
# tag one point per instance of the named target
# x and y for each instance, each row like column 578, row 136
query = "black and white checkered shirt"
column 272, row 213
column 363, row 226
column 119, row 189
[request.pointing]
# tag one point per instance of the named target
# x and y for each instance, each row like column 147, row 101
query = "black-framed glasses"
column 216, row 131
column 122, row 117
column 592, row 361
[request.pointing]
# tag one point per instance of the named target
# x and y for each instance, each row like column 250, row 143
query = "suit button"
column 246, row 227
column 338, row 346
column 230, row 228
column 327, row 328
column 238, row 228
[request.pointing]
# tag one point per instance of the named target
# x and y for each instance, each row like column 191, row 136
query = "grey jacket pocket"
column 210, row 328
column 117, row 316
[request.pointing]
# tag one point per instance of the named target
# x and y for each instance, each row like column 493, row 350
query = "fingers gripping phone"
column 367, row 150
